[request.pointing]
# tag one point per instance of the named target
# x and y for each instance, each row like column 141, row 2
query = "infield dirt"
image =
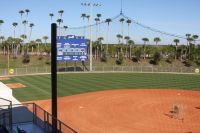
column 128, row 111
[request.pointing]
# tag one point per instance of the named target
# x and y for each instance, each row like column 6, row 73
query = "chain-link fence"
column 146, row 69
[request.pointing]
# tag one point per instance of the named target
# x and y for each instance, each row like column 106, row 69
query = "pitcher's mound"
column 15, row 85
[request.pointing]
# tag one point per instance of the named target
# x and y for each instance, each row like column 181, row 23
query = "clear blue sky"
column 173, row 16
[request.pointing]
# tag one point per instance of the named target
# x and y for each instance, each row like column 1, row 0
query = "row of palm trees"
column 129, row 50
column 24, row 43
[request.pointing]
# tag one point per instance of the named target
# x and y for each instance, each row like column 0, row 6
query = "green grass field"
column 38, row 87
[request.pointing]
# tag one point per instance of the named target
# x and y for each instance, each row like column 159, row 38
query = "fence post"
column 60, row 127
column 16, row 71
column 26, row 70
column 10, row 120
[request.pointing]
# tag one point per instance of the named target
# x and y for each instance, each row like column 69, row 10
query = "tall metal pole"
column 91, row 5
column 54, row 76
column 91, row 17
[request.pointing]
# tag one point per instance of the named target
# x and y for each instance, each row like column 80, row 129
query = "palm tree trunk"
column 38, row 50
column 107, row 40
column 130, row 52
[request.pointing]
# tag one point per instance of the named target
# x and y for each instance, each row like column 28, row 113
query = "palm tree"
column 51, row 15
column 25, row 23
column 99, row 16
column 100, row 39
column 108, row 21
column 190, row 39
column 127, row 38
column 14, row 25
column 23, row 36
column 59, row 21
column 145, row 41
column 128, row 22
column 2, row 39
column 88, row 18
column 122, row 29
column 188, row 47
column 157, row 40
column 45, row 40
column 1, row 22
column 130, row 43
column 97, row 20
column 61, row 13
column 176, row 41
column 21, row 12
column 83, row 15
column 65, row 28
column 31, row 28
column 27, row 12
column 119, row 37
column 38, row 41
column 195, row 37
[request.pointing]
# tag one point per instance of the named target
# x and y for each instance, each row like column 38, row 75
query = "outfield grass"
column 38, row 87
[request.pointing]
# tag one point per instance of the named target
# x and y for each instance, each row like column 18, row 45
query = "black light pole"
column 54, row 76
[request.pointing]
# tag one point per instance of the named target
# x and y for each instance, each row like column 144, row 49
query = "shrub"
column 48, row 61
column 156, row 58
column 120, row 60
column 104, row 58
column 138, row 55
column 26, row 59
column 40, row 57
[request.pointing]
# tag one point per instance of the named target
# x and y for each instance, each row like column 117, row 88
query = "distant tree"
column 145, row 40
column 176, row 41
column 130, row 43
column 38, row 41
column 108, row 21
column 122, row 28
column 21, row 12
column 157, row 40
column 59, row 21
column 65, row 28
column 51, row 15
column 45, row 40
column 128, row 22
column 127, row 38
column 83, row 15
column 60, row 12
column 195, row 37
column 27, row 12
column 156, row 58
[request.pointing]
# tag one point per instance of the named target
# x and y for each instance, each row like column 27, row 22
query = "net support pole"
column 54, row 76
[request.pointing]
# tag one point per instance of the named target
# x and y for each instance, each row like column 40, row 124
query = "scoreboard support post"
column 54, row 76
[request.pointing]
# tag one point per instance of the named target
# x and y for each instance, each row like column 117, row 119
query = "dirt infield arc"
column 128, row 111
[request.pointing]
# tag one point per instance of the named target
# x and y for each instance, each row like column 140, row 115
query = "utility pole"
column 91, row 5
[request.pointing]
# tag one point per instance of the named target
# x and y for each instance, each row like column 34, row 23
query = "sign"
column 71, row 48
column 196, row 70
column 11, row 71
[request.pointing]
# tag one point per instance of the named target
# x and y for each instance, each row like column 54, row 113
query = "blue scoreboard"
column 71, row 48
